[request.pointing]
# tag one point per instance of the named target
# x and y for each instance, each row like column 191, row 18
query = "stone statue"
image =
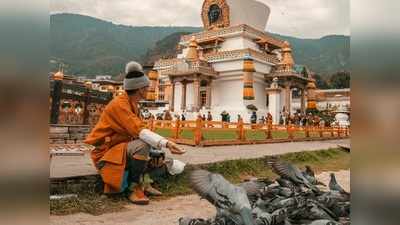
column 214, row 13
column 274, row 83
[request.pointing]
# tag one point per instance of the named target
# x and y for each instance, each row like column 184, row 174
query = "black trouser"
column 136, row 169
column 137, row 157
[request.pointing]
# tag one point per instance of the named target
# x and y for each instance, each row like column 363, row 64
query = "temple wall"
column 237, row 43
column 260, row 96
column 228, row 66
column 227, row 94
column 233, row 43
column 262, row 67
column 247, row 43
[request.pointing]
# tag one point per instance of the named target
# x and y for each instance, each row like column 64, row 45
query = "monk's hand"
column 174, row 148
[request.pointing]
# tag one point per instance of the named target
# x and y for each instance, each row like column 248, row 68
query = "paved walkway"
column 81, row 165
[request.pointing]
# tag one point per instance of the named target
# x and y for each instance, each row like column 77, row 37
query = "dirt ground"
column 166, row 212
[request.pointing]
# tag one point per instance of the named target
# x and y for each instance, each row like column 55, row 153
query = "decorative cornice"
column 172, row 68
column 240, row 29
column 163, row 64
column 289, row 73
column 240, row 54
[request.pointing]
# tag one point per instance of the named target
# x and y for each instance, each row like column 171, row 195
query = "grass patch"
column 95, row 203
column 218, row 135
column 255, row 135
column 165, row 132
column 280, row 134
column 299, row 134
column 252, row 135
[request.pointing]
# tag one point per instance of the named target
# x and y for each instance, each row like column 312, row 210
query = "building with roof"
column 330, row 99
column 231, row 65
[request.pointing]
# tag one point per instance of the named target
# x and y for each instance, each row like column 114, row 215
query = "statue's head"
column 214, row 13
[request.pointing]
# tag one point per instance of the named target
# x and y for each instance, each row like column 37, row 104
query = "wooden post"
column 197, row 131
column 269, row 130
column 321, row 132
column 55, row 101
column 85, row 108
column 177, row 128
column 242, row 134
column 290, row 131
column 307, row 131
column 151, row 124
column 332, row 132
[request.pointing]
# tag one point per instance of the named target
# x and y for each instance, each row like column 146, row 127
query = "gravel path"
column 82, row 165
column 166, row 212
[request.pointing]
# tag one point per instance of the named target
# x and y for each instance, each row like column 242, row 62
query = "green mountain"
column 165, row 48
column 90, row 46
column 324, row 56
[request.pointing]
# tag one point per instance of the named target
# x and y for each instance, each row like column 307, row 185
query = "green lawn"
column 253, row 135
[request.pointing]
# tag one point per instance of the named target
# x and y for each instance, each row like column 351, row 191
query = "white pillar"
column 275, row 100
column 274, row 104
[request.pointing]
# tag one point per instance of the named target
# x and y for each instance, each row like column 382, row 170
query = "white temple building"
column 232, row 65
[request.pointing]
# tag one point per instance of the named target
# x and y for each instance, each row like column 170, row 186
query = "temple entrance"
column 203, row 98
column 204, row 89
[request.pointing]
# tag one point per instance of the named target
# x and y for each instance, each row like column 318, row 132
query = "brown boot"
column 152, row 191
column 138, row 197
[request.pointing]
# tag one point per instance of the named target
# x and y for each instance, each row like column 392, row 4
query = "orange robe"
column 118, row 124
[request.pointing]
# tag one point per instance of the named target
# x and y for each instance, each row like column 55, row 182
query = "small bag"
column 157, row 158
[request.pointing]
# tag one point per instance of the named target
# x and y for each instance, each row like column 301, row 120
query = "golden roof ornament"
column 311, row 85
column 192, row 53
column 287, row 61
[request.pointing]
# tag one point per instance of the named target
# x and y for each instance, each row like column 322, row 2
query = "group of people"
column 300, row 119
column 297, row 118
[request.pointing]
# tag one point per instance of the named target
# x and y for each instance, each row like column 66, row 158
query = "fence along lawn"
column 200, row 132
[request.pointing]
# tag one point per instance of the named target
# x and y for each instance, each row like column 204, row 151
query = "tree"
column 321, row 82
column 340, row 80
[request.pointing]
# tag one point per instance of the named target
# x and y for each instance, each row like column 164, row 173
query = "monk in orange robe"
column 122, row 144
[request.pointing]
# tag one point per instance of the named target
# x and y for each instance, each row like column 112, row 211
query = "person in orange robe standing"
column 122, row 144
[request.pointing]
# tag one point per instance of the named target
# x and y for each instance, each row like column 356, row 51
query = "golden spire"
column 151, row 93
column 192, row 53
column 287, row 62
column 311, row 95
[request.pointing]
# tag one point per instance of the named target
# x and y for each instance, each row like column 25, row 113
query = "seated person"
column 122, row 144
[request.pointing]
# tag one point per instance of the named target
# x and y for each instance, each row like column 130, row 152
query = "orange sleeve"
column 123, row 117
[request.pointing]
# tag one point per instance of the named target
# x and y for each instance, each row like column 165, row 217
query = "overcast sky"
column 299, row 18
